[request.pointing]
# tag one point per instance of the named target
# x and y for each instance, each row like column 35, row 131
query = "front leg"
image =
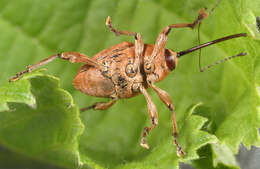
column 165, row 98
column 163, row 37
column 153, row 115
column 139, row 46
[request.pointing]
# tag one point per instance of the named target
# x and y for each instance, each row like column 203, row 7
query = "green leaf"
column 164, row 155
column 32, row 30
column 9, row 93
column 221, row 159
column 49, row 132
column 222, row 154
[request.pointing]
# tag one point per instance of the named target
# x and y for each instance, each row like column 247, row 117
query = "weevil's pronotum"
column 126, row 69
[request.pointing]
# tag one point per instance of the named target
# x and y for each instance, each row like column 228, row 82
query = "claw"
column 18, row 75
column 146, row 146
column 144, row 143
column 180, row 153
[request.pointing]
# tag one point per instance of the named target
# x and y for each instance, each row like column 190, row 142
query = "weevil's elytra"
column 128, row 69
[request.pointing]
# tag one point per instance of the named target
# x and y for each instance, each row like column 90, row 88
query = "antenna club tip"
column 242, row 54
column 244, row 34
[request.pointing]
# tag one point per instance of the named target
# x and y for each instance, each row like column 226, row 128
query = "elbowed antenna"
column 184, row 52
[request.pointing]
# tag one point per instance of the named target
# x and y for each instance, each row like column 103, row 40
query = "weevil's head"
column 171, row 59
column 161, row 65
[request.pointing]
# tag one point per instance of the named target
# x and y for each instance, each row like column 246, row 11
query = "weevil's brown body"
column 114, row 81
column 127, row 69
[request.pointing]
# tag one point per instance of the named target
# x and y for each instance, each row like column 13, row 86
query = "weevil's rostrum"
column 127, row 69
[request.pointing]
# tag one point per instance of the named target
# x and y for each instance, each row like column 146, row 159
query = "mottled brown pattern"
column 115, row 81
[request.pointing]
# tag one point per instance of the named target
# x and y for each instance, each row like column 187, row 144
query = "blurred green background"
column 32, row 30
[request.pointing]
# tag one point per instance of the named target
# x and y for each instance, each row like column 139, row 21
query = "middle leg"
column 139, row 44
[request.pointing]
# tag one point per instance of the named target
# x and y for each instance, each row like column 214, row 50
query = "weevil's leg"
column 100, row 105
column 118, row 32
column 32, row 67
column 76, row 57
column 73, row 57
column 139, row 45
column 153, row 115
column 139, row 48
column 163, row 36
column 164, row 96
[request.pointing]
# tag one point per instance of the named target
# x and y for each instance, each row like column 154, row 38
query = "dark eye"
column 130, row 71
column 148, row 67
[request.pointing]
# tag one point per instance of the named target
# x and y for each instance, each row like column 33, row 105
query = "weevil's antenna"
column 199, row 44
column 211, row 10
column 184, row 52
column 258, row 23
column 222, row 60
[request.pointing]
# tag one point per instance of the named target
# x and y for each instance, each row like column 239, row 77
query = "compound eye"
column 148, row 67
column 130, row 71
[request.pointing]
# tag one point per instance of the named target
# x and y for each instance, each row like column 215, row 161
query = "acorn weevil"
column 126, row 70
